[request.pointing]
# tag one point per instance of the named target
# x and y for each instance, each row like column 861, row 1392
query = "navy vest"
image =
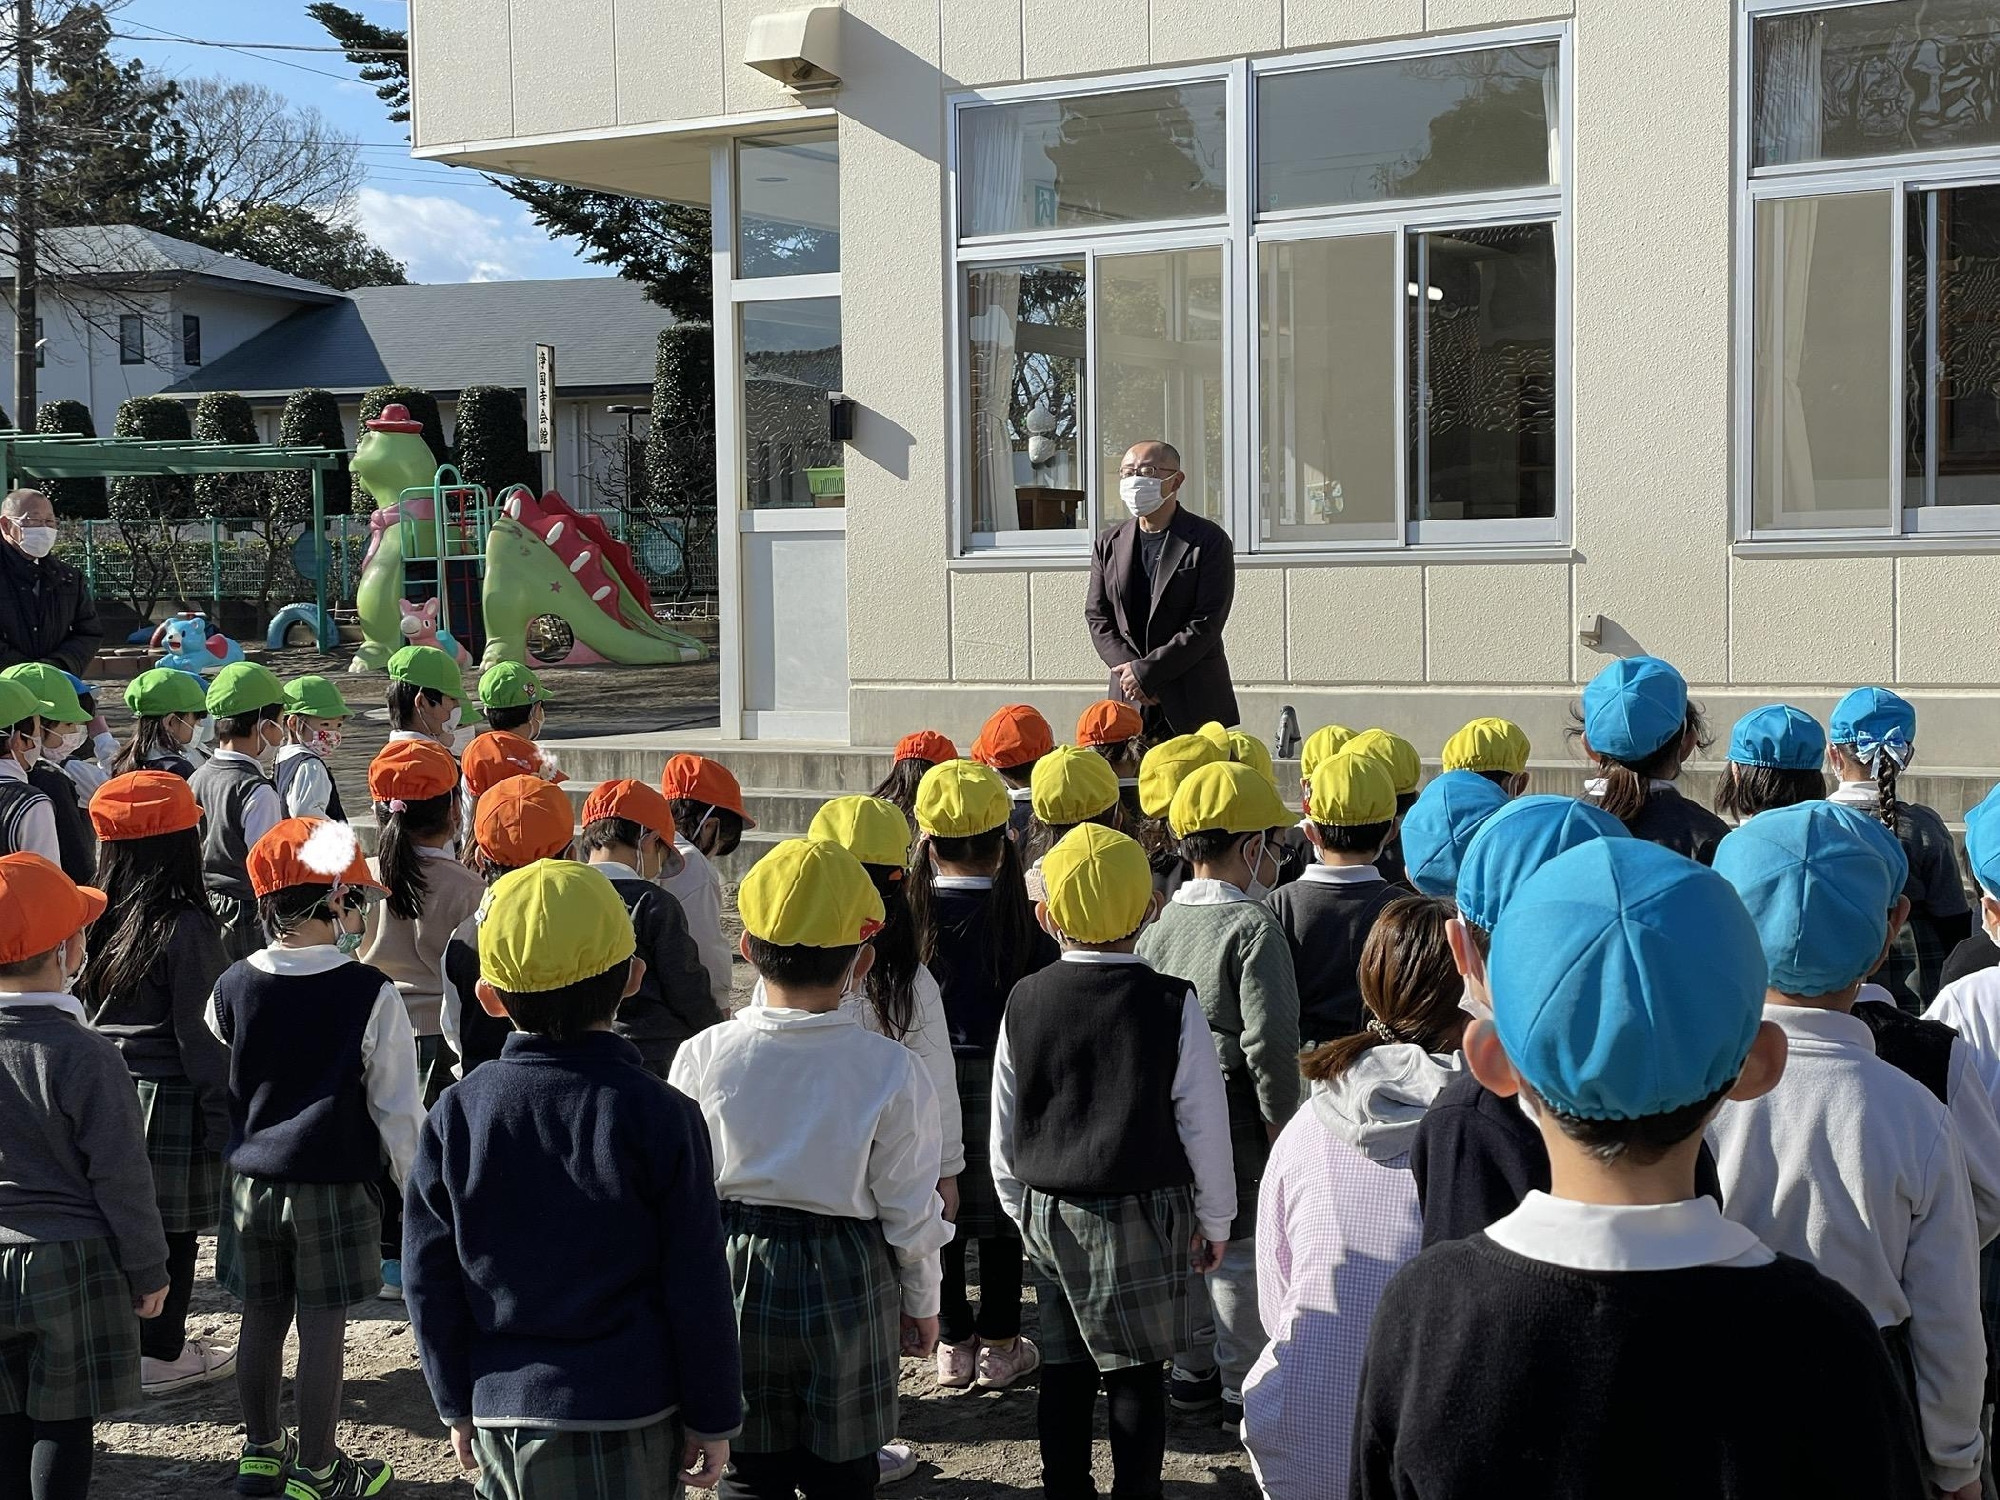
column 288, row 770
column 16, row 797
column 73, row 831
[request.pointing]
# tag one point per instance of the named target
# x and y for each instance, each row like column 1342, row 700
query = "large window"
column 131, row 339
column 1335, row 284
column 788, row 206
column 1872, row 346
column 791, row 362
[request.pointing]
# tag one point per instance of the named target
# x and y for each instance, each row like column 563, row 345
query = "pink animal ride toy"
column 420, row 628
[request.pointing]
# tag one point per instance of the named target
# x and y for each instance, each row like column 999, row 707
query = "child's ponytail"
column 1887, row 769
column 402, row 824
column 1011, row 929
column 1628, row 784
column 1410, row 988
column 891, row 984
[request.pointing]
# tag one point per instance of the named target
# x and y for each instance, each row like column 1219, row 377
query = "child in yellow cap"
column 1161, row 773
column 1218, row 934
column 1070, row 786
column 603, row 1360
column 1111, row 1151
column 976, row 932
column 827, row 1150
column 1497, row 749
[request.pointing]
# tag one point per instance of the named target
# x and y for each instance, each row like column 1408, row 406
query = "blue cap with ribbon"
column 1440, row 825
column 1633, row 707
column 1982, row 843
column 1819, row 886
column 1873, row 721
column 1627, row 981
column 1518, row 840
column 1779, row 737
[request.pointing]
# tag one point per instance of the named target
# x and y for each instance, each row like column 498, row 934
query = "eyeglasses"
column 1145, row 471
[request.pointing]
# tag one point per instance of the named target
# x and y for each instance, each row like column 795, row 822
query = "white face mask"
column 1257, row 890
column 204, row 732
column 451, row 720
column 1141, row 494
column 37, row 541
column 65, row 746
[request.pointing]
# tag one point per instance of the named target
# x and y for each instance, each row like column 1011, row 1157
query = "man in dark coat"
column 46, row 612
column 1160, row 589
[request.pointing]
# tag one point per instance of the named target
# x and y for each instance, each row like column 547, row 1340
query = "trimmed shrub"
column 311, row 419
column 168, row 497
column 491, row 439
column 421, row 405
column 225, row 417
column 680, row 454
column 77, row 499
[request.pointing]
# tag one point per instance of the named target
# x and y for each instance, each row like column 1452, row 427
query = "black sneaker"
column 1232, row 1411
column 1195, row 1392
column 261, row 1468
column 342, row 1479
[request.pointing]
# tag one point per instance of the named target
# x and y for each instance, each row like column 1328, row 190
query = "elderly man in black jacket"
column 1161, row 584
column 46, row 612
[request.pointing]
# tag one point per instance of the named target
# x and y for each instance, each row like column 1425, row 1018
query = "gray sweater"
column 74, row 1164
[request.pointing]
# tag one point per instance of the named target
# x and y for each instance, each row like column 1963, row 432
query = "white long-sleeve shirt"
column 38, row 820
column 698, row 888
column 808, row 1110
column 311, row 786
column 1201, row 1114
column 388, row 1052
column 1856, row 1167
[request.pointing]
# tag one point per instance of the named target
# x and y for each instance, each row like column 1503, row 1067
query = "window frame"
column 131, row 351
column 1898, row 175
column 191, row 339
column 1240, row 233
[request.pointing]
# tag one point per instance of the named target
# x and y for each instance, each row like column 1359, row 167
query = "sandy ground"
column 975, row 1444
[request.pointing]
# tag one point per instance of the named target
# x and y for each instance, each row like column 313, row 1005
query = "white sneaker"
column 1000, row 1368
column 200, row 1362
column 897, row 1462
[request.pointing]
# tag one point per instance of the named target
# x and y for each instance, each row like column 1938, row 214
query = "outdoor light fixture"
column 799, row 48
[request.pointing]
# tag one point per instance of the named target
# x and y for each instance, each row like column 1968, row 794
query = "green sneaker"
column 342, row 1479
column 262, row 1467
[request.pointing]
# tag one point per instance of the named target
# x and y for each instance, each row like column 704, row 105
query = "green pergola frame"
column 31, row 456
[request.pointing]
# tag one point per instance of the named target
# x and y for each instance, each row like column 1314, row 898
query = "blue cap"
column 1819, row 888
column 1440, row 825
column 1982, row 842
column 1873, row 719
column 1633, row 707
column 1778, row 736
column 80, row 685
column 1518, row 840
column 1627, row 981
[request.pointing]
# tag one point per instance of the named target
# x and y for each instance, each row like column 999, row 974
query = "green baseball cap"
column 160, row 691
column 18, row 701
column 53, row 687
column 243, row 687
column 315, row 697
column 427, row 667
column 512, row 684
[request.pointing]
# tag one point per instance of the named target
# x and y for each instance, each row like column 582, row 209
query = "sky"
column 444, row 223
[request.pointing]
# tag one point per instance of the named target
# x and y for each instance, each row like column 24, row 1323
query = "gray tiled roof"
column 128, row 250
column 449, row 336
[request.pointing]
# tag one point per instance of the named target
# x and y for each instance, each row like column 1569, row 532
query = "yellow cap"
column 1167, row 765
column 960, row 798
column 1099, row 884
column 550, row 924
column 1406, row 767
column 1216, row 735
column 808, row 894
column 1487, row 745
column 1351, row 789
column 1322, row 742
column 1071, row 784
column 872, row 830
column 1248, row 750
column 1226, row 798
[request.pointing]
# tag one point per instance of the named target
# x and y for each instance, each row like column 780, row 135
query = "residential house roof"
column 127, row 252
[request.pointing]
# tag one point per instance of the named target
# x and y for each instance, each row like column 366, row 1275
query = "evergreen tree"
column 680, row 452
column 81, row 499
column 311, row 419
column 225, row 417
column 422, row 407
column 491, row 439
column 146, row 511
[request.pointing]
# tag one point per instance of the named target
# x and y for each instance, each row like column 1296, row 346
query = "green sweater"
column 1236, row 956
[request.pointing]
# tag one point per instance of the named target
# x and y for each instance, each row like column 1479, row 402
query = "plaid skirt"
column 1111, row 1275
column 818, row 1310
column 187, row 1176
column 980, row 1216
column 69, row 1345
column 534, row 1463
column 315, row 1243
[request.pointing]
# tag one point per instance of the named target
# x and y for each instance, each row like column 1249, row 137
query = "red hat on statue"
column 395, row 418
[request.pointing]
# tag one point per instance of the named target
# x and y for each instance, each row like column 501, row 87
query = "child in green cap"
column 63, row 721
column 425, row 691
column 238, row 802
column 27, row 817
column 170, row 706
column 314, row 714
column 511, row 697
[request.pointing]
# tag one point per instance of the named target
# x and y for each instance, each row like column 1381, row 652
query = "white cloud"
column 445, row 239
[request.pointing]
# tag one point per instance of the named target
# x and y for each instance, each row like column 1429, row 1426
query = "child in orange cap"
column 519, row 821
column 323, row 1104
column 1011, row 741
column 709, row 822
column 1114, row 729
column 83, row 1249
column 414, row 787
column 146, row 981
column 916, row 753
column 628, row 835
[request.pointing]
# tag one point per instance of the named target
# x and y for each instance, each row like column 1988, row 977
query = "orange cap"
column 309, row 851
column 521, row 820
column 40, row 907
column 926, row 744
column 1014, row 736
column 495, row 755
column 411, row 771
column 1108, row 722
column 141, row 804
column 633, row 801
column 695, row 778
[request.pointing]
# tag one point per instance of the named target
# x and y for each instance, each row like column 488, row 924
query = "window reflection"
column 1026, row 325
column 791, row 360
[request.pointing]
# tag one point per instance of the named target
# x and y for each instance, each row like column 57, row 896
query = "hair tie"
column 398, row 805
column 1382, row 1030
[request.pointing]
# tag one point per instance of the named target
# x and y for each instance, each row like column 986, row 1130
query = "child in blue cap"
column 1476, row 1155
column 1438, row 829
column 1776, row 755
column 1873, row 739
column 1850, row 1163
column 1617, row 1335
column 1638, row 728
